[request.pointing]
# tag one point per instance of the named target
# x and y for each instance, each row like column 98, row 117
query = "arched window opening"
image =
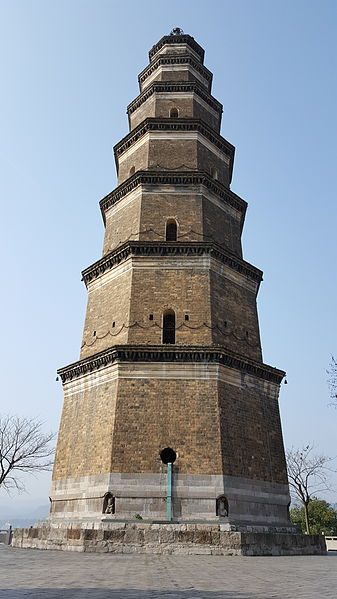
column 174, row 113
column 108, row 504
column 214, row 173
column 171, row 230
column 132, row 171
column 222, row 506
column 169, row 327
column 168, row 455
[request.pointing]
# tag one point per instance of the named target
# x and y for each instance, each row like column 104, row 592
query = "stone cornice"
column 170, row 249
column 170, row 124
column 175, row 59
column 173, row 353
column 173, row 178
column 178, row 39
column 175, row 87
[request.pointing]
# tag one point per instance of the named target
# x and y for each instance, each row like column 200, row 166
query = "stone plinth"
column 170, row 538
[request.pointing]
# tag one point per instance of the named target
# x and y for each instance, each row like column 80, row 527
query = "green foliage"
column 322, row 517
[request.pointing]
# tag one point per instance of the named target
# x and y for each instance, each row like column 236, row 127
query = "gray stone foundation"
column 161, row 538
column 250, row 502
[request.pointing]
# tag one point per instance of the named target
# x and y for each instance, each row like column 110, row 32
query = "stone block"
column 114, row 535
column 90, row 535
column 133, row 536
column 73, row 533
column 33, row 533
column 202, row 537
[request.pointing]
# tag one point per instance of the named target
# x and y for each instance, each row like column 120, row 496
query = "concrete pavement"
column 26, row 573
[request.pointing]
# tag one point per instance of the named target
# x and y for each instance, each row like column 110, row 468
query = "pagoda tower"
column 170, row 379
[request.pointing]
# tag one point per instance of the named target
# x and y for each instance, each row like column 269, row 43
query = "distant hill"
column 22, row 518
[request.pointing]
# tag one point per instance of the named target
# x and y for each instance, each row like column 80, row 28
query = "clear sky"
column 68, row 69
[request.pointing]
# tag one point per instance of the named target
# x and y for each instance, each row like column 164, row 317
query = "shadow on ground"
column 120, row 594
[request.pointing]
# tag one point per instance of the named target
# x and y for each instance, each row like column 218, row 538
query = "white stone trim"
column 183, row 96
column 169, row 135
column 169, row 371
column 206, row 263
column 144, row 189
column 197, row 263
column 187, row 486
column 233, row 275
column 173, row 67
column 135, row 194
column 107, row 277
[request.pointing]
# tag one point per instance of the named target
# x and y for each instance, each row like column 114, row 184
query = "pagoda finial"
column 176, row 31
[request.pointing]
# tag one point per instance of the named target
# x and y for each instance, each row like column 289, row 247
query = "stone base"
column 162, row 538
column 194, row 496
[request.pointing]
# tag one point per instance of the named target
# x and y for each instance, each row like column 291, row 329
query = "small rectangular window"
column 187, row 317
column 113, row 324
column 150, row 316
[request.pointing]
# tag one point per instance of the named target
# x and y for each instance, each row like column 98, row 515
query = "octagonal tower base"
column 166, row 538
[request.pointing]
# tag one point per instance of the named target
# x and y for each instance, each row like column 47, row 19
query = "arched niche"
column 222, row 509
column 214, row 173
column 171, row 230
column 108, row 504
column 174, row 113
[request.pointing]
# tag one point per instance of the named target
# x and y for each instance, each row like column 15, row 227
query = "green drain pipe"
column 169, row 493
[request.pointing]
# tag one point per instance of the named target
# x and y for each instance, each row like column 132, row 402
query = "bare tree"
column 23, row 448
column 308, row 475
column 332, row 380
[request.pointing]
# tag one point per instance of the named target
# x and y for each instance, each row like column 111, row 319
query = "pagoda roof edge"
column 174, row 177
column 182, row 38
column 174, row 353
column 169, row 249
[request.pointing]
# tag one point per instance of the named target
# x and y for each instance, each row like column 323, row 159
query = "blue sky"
column 68, row 70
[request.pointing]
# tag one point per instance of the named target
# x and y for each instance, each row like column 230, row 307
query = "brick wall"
column 154, row 414
column 185, row 291
column 251, row 436
column 221, row 226
column 122, row 222
column 234, row 312
column 143, row 215
column 108, row 303
column 156, row 106
column 86, row 432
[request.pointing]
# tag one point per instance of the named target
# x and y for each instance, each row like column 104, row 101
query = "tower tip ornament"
column 177, row 31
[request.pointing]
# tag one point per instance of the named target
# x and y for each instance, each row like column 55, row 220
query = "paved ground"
column 27, row 573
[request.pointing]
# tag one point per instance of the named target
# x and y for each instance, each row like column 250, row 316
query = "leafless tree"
column 308, row 475
column 332, row 381
column 23, row 448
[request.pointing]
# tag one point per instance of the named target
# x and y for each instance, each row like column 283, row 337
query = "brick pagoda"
column 171, row 368
column 171, row 353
